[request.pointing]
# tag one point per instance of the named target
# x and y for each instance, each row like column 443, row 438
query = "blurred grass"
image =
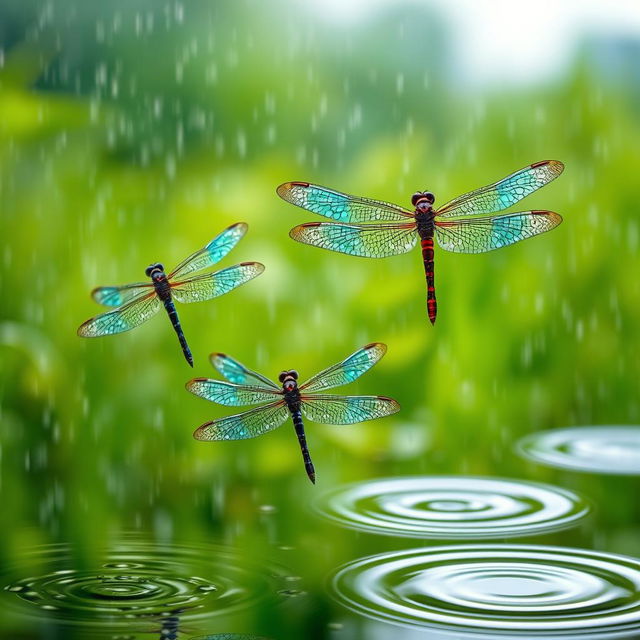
column 122, row 144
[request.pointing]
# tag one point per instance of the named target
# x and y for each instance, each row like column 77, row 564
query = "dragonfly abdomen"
column 427, row 257
column 175, row 321
column 296, row 415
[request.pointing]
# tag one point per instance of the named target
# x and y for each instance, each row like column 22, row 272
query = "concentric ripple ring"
column 452, row 507
column 610, row 450
column 135, row 580
column 500, row 590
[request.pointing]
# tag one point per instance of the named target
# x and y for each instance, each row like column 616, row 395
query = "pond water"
column 500, row 501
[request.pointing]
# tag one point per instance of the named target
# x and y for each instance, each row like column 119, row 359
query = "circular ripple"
column 452, row 507
column 614, row 450
column 137, row 580
column 514, row 590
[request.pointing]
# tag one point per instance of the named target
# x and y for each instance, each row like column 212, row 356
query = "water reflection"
column 513, row 590
column 613, row 450
column 452, row 507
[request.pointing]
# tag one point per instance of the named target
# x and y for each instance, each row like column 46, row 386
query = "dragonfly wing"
column 506, row 192
column 329, row 409
column 477, row 235
column 348, row 370
column 340, row 206
column 117, row 296
column 237, row 373
column 212, row 285
column 213, row 252
column 244, row 425
column 123, row 318
column 365, row 240
column 231, row 395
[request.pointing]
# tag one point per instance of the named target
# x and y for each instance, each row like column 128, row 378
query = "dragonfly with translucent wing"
column 376, row 229
column 137, row 302
column 247, row 387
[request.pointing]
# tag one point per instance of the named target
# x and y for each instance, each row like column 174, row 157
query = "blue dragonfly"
column 288, row 399
column 139, row 301
column 459, row 225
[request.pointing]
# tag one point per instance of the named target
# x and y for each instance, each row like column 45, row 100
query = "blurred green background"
column 133, row 132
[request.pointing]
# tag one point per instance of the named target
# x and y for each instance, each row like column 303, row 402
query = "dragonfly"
column 288, row 399
column 376, row 229
column 135, row 303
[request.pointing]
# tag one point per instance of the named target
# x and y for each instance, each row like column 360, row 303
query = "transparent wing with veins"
column 346, row 371
column 504, row 193
column 364, row 240
column 340, row 207
column 242, row 426
column 330, row 409
column 477, row 235
column 237, row 373
column 212, row 252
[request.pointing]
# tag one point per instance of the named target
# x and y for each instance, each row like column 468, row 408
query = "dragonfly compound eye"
column 282, row 376
column 429, row 196
column 415, row 197
column 294, row 374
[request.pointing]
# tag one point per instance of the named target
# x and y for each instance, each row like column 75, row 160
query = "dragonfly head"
column 423, row 201
column 288, row 380
column 153, row 271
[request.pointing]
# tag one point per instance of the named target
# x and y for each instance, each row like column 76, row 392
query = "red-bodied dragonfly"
column 288, row 399
column 137, row 302
column 459, row 225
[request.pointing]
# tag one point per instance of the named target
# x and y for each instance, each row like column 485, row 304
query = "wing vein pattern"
column 338, row 206
column 242, row 426
column 229, row 394
column 331, row 409
column 237, row 373
column 367, row 241
column 212, row 252
column 123, row 318
column 504, row 193
column 477, row 235
column 346, row 371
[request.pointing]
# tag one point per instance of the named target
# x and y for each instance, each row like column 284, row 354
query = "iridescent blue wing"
column 123, row 318
column 348, row 370
column 212, row 285
column 503, row 194
column 477, row 235
column 117, row 296
column 237, row 373
column 340, row 206
column 231, row 395
column 244, row 425
column 364, row 240
column 327, row 409
column 213, row 252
